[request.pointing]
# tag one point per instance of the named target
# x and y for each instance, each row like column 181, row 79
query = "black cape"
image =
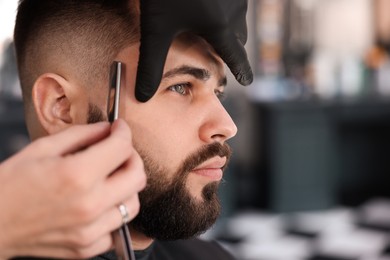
column 191, row 249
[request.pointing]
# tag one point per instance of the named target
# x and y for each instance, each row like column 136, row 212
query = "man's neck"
column 139, row 240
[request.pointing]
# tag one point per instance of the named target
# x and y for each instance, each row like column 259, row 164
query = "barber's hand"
column 222, row 23
column 59, row 196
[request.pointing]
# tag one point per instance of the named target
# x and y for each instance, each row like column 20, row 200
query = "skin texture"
column 183, row 116
column 62, row 204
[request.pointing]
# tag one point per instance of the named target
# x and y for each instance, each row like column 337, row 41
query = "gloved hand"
column 222, row 23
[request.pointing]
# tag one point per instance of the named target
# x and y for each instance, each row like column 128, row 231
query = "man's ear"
column 52, row 102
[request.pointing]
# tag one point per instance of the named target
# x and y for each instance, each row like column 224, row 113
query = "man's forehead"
column 193, row 55
column 188, row 40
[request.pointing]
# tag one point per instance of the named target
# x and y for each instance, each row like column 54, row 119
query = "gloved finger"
column 236, row 14
column 153, row 53
column 231, row 50
column 238, row 64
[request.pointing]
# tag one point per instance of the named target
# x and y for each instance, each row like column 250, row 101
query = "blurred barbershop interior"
column 310, row 173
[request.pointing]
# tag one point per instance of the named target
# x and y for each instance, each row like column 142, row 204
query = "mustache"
column 205, row 153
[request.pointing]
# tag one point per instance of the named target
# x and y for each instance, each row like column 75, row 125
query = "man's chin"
column 176, row 214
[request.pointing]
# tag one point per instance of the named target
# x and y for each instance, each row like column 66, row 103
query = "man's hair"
column 77, row 36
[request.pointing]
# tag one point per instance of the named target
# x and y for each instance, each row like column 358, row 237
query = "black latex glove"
column 222, row 23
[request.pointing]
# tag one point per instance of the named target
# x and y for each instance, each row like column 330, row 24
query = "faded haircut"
column 81, row 37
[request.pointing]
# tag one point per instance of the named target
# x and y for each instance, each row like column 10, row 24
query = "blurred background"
column 310, row 174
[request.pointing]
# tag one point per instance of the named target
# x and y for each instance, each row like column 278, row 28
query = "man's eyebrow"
column 198, row 73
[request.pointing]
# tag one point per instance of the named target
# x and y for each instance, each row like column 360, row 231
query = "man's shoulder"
column 191, row 249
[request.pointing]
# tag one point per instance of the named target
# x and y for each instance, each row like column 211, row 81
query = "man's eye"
column 182, row 88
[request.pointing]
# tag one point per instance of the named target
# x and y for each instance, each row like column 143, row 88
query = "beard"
column 95, row 114
column 168, row 210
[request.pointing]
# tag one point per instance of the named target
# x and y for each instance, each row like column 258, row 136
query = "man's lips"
column 211, row 168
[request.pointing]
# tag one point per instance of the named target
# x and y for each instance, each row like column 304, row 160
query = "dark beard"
column 168, row 210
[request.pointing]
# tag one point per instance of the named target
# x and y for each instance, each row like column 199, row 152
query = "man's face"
column 180, row 134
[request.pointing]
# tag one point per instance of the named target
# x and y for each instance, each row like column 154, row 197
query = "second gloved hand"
column 222, row 23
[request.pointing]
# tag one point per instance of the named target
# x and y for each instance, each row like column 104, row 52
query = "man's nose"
column 217, row 126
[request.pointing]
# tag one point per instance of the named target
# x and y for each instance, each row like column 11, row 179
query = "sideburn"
column 95, row 114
